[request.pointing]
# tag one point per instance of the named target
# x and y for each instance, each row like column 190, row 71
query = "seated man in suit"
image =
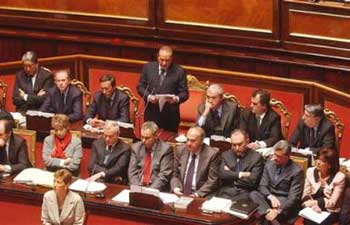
column 163, row 77
column 110, row 156
column 262, row 124
column 218, row 116
column 281, row 187
column 313, row 131
column 151, row 162
column 13, row 150
column 196, row 166
column 31, row 84
column 240, row 169
column 108, row 104
column 64, row 98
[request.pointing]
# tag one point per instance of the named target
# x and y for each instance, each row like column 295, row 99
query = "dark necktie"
column 3, row 156
column 312, row 136
column 258, row 121
column 147, row 168
column 161, row 76
column 108, row 109
column 108, row 152
column 278, row 173
column 216, row 117
column 189, row 177
column 61, row 108
column 238, row 167
column 30, row 85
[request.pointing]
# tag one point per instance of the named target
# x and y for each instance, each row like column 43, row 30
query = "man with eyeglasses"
column 31, row 84
column 313, row 131
column 216, row 115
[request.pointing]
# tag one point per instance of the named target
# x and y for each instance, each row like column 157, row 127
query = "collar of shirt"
column 261, row 117
column 160, row 70
column 219, row 110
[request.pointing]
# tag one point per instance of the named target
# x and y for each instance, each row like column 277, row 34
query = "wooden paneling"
column 138, row 9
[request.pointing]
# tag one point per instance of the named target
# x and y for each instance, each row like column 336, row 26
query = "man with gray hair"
column 31, row 84
column 151, row 162
column 314, row 131
column 216, row 115
column 196, row 166
column 280, row 188
column 110, row 156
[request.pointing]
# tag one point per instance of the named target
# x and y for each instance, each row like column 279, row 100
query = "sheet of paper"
column 311, row 214
column 168, row 198
column 122, row 197
column 87, row 186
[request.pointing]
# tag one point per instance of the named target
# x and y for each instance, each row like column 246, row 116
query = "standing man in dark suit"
column 64, row 98
column 262, row 124
column 217, row 116
column 110, row 156
column 196, row 166
column 151, row 162
column 13, row 150
column 31, row 84
column 163, row 77
column 314, row 131
column 240, row 169
column 281, row 186
column 108, row 104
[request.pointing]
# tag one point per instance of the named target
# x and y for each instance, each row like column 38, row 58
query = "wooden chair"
column 86, row 93
column 301, row 161
column 279, row 107
column 233, row 98
column 339, row 126
column 30, row 137
column 188, row 109
column 3, row 94
column 134, row 102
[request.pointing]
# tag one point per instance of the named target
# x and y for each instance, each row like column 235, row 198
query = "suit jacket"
column 289, row 185
column 161, row 165
column 325, row 136
column 73, row 102
column 117, row 164
column 270, row 127
column 73, row 211
column 175, row 82
column 332, row 192
column 229, row 120
column 207, row 171
column 119, row 109
column 73, row 150
column 43, row 80
column 252, row 162
column 17, row 154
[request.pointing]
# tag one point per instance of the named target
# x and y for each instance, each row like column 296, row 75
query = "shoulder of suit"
column 18, row 139
column 45, row 70
column 210, row 149
column 136, row 146
column 74, row 196
column 76, row 139
column 121, row 95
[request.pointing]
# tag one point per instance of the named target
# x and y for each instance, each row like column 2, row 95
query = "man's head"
column 107, row 85
column 215, row 95
column 313, row 113
column 195, row 136
column 149, row 132
column 282, row 152
column 30, row 63
column 6, row 127
column 239, row 141
column 62, row 79
column 165, row 57
column 111, row 132
column 260, row 101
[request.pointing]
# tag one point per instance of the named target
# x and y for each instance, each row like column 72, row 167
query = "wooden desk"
column 23, row 194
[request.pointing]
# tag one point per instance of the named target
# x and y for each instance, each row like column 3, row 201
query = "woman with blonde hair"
column 60, row 205
column 61, row 149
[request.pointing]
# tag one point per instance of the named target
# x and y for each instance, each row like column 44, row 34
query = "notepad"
column 310, row 214
column 86, row 186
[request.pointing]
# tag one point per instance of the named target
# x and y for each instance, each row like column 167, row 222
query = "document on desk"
column 123, row 197
column 39, row 113
column 162, row 99
column 35, row 176
column 216, row 205
column 87, row 186
column 312, row 215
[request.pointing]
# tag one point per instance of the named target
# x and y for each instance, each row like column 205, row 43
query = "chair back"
column 3, row 94
column 339, row 126
column 280, row 108
column 234, row 99
column 134, row 102
column 30, row 137
column 86, row 93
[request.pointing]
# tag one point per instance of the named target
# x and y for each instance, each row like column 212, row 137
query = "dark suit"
column 116, row 166
column 43, row 80
column 207, row 171
column 161, row 164
column 288, row 188
column 118, row 109
column 229, row 120
column 73, row 102
column 231, row 185
column 174, row 83
column 17, row 156
column 269, row 130
column 324, row 137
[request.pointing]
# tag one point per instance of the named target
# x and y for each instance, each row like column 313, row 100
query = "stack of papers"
column 123, row 197
column 310, row 214
column 34, row 176
column 183, row 202
column 216, row 205
column 90, row 187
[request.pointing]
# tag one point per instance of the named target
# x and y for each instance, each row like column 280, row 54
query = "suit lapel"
column 53, row 207
column 202, row 158
column 184, row 160
column 224, row 115
column 264, row 123
column 11, row 149
column 67, row 206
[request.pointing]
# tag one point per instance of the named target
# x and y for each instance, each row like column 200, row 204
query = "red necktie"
column 147, row 168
